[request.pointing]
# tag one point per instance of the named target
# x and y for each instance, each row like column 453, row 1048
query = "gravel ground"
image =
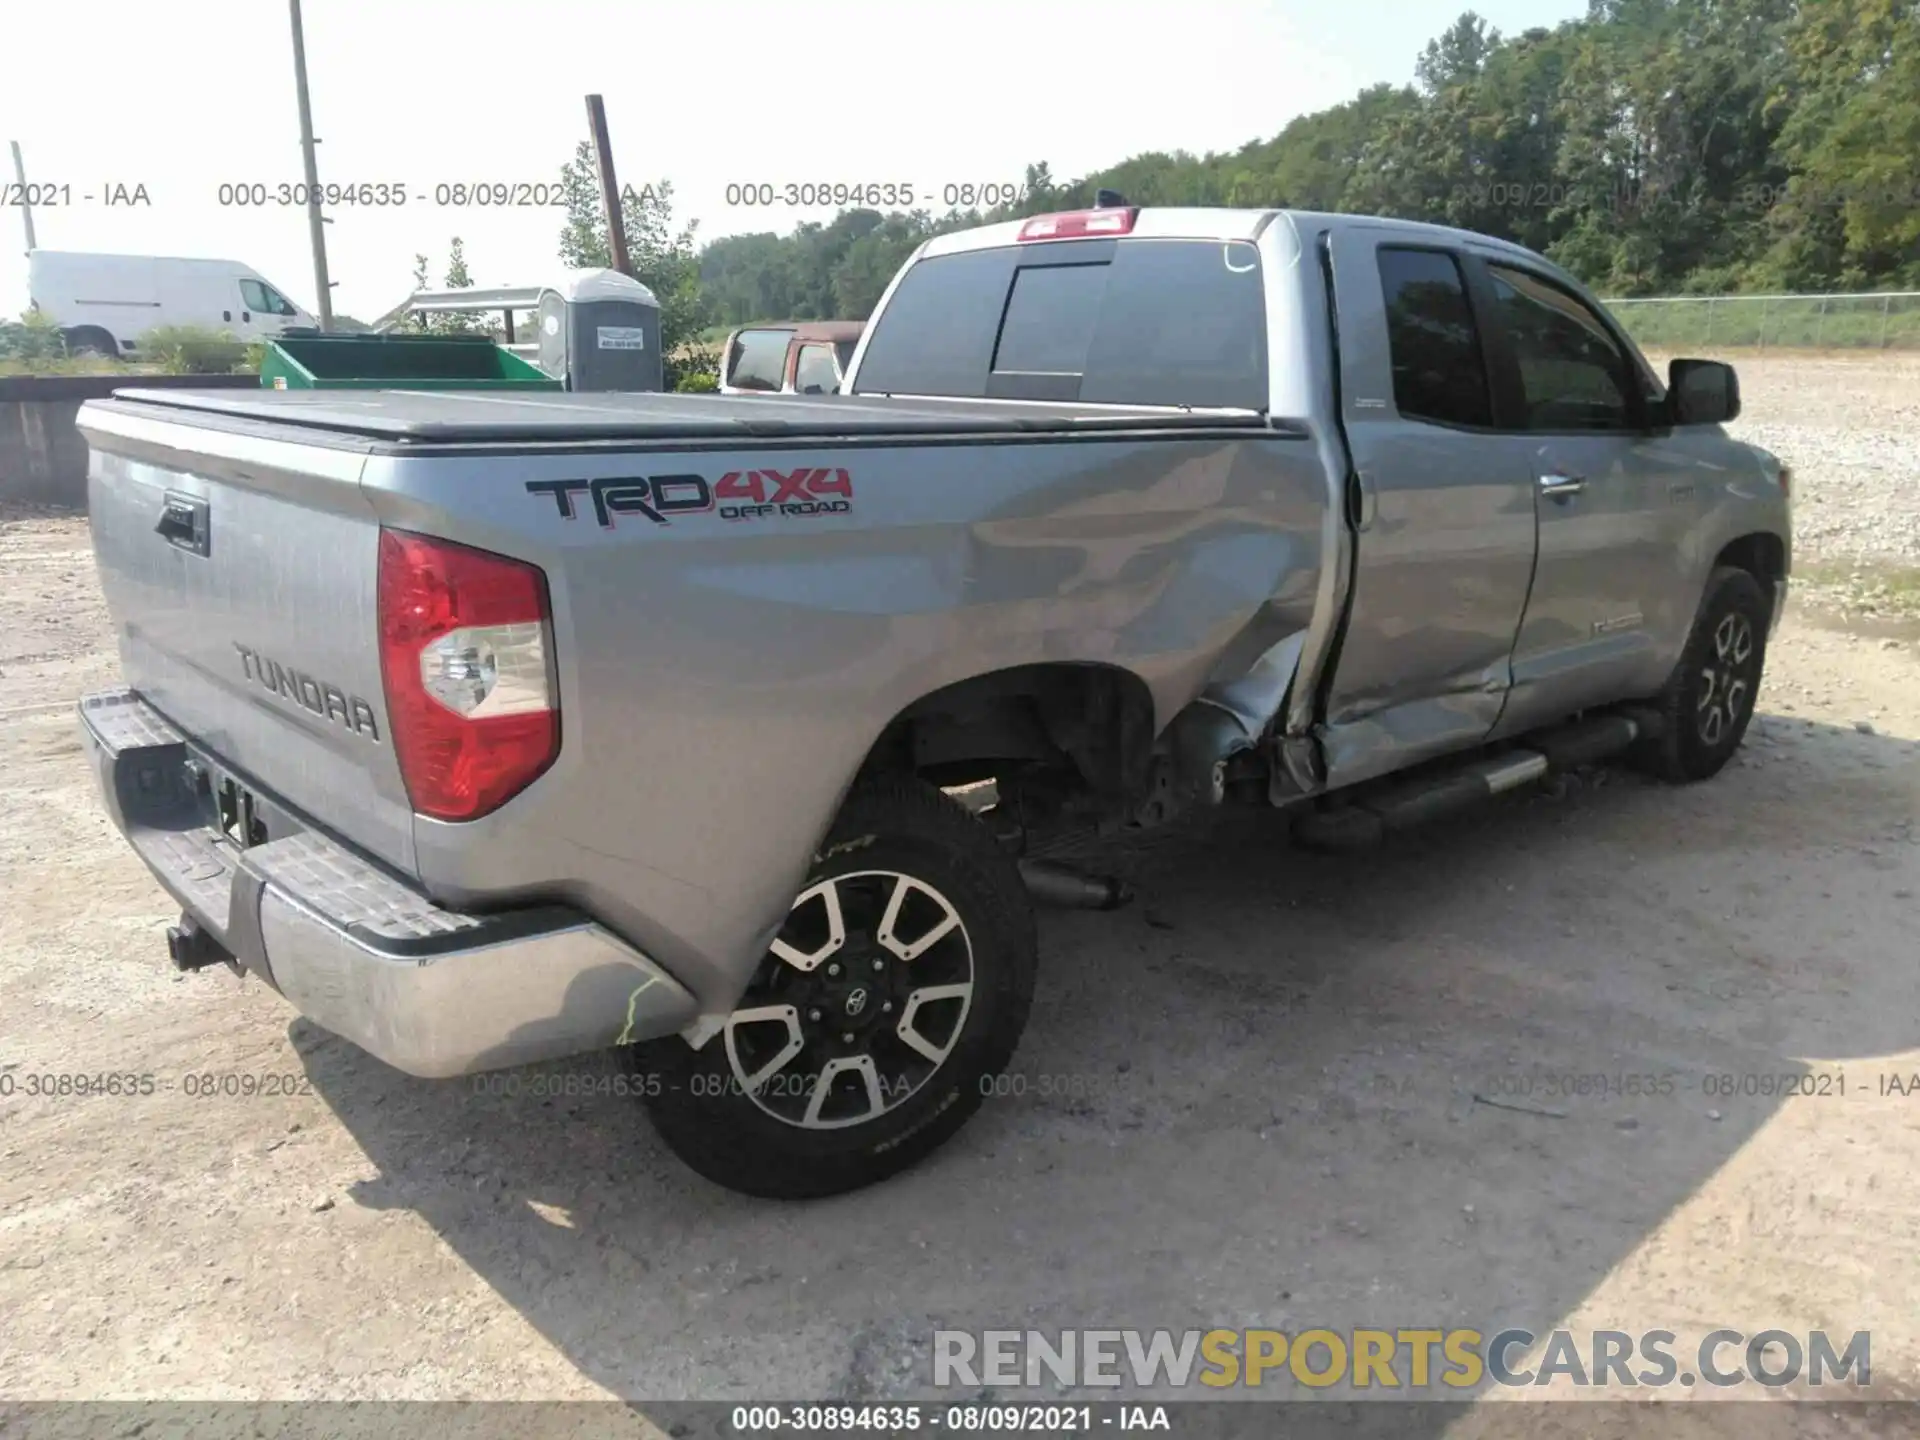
column 1278, row 1118
column 1849, row 424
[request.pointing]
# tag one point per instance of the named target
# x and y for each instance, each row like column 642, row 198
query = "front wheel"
column 1708, row 701
column 894, row 993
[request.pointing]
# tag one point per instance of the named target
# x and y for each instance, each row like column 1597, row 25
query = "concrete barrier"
column 43, row 460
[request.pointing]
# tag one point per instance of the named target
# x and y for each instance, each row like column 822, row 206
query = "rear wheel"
column 1709, row 699
column 896, row 990
column 92, row 340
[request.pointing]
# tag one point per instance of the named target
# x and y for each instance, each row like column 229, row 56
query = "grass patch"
column 1833, row 322
column 70, row 365
column 1860, row 587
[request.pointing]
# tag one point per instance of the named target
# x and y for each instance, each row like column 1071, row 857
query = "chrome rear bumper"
column 357, row 950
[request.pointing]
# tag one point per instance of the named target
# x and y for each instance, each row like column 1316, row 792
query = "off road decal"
column 738, row 495
column 770, row 492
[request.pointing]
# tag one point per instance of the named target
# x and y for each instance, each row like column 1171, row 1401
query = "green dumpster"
column 310, row 360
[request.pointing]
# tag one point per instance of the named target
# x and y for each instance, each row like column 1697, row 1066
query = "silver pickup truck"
column 489, row 730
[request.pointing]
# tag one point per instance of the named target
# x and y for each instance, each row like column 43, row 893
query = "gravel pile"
column 1850, row 427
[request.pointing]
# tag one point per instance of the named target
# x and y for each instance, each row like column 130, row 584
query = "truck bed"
column 722, row 669
column 413, row 418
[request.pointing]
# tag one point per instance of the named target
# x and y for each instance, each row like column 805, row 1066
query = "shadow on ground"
column 1256, row 1098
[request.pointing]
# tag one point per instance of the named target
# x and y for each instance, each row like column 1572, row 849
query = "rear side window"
column 1133, row 322
column 1439, row 371
column 758, row 359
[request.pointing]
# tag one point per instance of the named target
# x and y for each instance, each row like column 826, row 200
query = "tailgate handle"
column 184, row 523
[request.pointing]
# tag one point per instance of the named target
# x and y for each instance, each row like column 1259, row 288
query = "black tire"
column 91, row 340
column 1710, row 696
column 699, row 1100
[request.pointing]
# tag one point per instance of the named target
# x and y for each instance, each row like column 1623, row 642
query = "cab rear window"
column 1134, row 322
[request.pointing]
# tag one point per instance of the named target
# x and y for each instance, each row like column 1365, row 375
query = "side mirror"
column 1702, row 392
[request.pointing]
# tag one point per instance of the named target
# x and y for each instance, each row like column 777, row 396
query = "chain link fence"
column 1885, row 320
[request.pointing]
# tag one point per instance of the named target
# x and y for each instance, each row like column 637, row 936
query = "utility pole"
column 26, row 210
column 316, row 223
column 609, row 191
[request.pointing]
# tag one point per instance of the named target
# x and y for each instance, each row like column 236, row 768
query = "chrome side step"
column 1400, row 804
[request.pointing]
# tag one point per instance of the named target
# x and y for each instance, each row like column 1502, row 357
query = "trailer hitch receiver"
column 191, row 947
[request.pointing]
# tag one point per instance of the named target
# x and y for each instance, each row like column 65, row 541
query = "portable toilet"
column 600, row 330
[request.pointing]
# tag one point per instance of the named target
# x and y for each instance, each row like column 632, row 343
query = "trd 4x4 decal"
column 739, row 495
column 769, row 492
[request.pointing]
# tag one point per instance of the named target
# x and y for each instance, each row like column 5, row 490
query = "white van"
column 105, row 303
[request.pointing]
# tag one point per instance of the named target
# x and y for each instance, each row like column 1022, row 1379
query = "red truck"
column 802, row 357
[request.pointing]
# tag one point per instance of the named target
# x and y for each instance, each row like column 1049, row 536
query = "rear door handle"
column 1560, row 486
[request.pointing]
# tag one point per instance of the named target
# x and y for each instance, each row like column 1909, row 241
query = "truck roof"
column 1171, row 222
column 810, row 329
column 829, row 329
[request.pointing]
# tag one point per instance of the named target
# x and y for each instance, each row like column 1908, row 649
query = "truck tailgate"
column 240, row 573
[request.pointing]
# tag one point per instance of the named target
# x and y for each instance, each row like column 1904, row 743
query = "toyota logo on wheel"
column 857, row 1001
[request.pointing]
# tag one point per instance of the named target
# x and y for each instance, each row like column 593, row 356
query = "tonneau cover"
column 453, row 417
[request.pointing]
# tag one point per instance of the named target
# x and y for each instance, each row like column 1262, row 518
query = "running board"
column 1369, row 817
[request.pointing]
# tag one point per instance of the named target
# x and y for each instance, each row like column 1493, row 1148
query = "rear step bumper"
column 433, row 992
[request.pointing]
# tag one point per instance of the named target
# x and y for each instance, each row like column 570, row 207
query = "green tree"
column 1652, row 146
column 1848, row 205
column 458, row 277
column 1458, row 55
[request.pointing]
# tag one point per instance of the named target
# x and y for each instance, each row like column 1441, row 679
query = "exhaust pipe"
column 1053, row 884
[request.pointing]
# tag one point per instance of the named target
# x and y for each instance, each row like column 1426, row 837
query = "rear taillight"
column 464, row 643
column 1079, row 225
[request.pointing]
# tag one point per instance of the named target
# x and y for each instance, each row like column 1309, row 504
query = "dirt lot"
column 1278, row 1065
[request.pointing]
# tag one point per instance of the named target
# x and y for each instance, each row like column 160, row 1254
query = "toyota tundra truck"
column 489, row 729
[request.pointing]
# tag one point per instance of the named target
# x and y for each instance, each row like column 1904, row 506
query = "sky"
column 183, row 97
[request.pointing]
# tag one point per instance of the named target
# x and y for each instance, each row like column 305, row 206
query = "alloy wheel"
column 1727, row 679
column 858, row 1003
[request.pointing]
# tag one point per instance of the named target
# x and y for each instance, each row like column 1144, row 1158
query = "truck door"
column 1613, row 497
column 1442, row 508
